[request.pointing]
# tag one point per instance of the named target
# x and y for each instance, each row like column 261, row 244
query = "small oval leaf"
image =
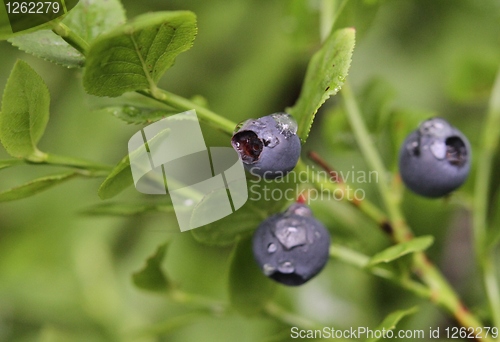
column 151, row 277
column 35, row 186
column 249, row 289
column 118, row 180
column 394, row 252
column 47, row 45
column 135, row 55
column 390, row 322
column 325, row 76
column 25, row 112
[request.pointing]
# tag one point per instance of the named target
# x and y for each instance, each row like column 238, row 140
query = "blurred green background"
column 65, row 276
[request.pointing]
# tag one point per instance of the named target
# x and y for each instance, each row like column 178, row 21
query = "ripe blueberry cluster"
column 434, row 159
column 291, row 247
column 269, row 146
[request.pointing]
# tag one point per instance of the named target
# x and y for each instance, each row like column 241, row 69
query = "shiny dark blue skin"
column 266, row 150
column 434, row 160
column 307, row 259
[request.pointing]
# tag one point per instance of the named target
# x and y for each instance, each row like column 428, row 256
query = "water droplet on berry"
column 438, row 149
column 285, row 124
column 271, row 248
column 290, row 234
column 286, row 267
column 268, row 269
column 268, row 138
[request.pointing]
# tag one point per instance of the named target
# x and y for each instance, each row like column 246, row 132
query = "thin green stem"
column 181, row 103
column 75, row 162
column 330, row 11
column 71, row 37
column 484, row 253
column 361, row 261
column 400, row 229
column 443, row 294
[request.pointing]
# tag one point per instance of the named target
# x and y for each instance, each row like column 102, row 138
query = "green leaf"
column 6, row 29
column 389, row 323
column 118, row 180
column 249, row 289
column 392, row 253
column 325, row 76
column 90, row 18
column 47, row 45
column 227, row 230
column 35, row 186
column 121, row 175
column 139, row 115
column 25, row 112
column 127, row 209
column 10, row 162
column 135, row 56
column 151, row 277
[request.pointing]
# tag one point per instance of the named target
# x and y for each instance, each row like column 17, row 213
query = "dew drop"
column 285, row 124
column 438, row 149
column 131, row 110
column 286, row 267
column 269, row 139
column 271, row 248
column 290, row 234
column 436, row 127
column 268, row 269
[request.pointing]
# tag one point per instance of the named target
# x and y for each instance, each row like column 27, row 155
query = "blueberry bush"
column 86, row 257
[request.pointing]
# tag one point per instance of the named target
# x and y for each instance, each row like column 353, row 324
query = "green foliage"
column 249, row 289
column 35, row 186
column 47, row 45
column 86, row 265
column 135, row 56
column 88, row 19
column 152, row 277
column 218, row 234
column 8, row 163
column 127, row 209
column 325, row 76
column 118, row 180
column 91, row 18
column 25, row 112
column 139, row 115
column 397, row 251
column 390, row 322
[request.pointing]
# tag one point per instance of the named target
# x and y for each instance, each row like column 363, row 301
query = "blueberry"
column 291, row 247
column 269, row 146
column 434, row 159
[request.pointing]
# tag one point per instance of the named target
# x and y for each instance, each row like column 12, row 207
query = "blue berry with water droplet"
column 269, row 146
column 434, row 159
column 291, row 247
